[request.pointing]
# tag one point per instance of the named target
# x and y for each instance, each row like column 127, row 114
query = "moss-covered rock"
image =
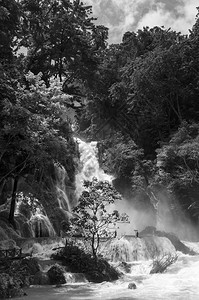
column 102, row 271
column 41, row 278
column 56, row 275
column 77, row 261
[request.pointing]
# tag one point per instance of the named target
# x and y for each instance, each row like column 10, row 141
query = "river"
column 180, row 281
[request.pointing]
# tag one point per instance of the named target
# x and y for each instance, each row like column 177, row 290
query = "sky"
column 121, row 16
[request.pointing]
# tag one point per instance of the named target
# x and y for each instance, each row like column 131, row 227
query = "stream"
column 180, row 281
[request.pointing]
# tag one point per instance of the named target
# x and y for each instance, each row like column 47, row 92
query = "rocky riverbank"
column 46, row 268
column 94, row 270
column 15, row 275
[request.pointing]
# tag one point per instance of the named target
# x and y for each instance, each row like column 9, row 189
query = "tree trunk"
column 13, row 201
column 93, row 245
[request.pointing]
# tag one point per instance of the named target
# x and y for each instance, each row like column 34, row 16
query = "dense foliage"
column 79, row 261
column 93, row 218
column 139, row 98
column 36, row 106
column 144, row 101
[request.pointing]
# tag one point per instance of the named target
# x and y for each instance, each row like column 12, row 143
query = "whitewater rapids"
column 179, row 282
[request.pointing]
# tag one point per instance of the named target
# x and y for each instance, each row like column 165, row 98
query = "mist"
column 167, row 218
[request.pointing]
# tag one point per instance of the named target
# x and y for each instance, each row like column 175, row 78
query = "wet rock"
column 77, row 261
column 41, row 278
column 79, row 277
column 56, row 275
column 132, row 286
column 124, row 267
column 101, row 271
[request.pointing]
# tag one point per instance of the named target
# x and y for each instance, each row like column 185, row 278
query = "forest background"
column 139, row 99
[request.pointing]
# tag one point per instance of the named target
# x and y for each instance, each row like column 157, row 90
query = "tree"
column 119, row 159
column 178, row 165
column 9, row 24
column 36, row 134
column 62, row 39
column 93, row 215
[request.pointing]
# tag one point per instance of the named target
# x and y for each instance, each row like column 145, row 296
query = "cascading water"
column 89, row 165
column 62, row 197
column 32, row 219
column 180, row 281
column 130, row 248
column 40, row 225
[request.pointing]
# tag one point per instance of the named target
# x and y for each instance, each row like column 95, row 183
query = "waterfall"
column 31, row 217
column 89, row 165
column 130, row 249
column 62, row 179
column 40, row 225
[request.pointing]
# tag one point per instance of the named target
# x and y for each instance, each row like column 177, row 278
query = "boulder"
column 77, row 261
column 41, row 278
column 132, row 286
column 56, row 275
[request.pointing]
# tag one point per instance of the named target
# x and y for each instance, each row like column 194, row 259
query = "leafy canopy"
column 93, row 215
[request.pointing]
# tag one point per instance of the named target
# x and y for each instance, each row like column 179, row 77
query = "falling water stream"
column 180, row 281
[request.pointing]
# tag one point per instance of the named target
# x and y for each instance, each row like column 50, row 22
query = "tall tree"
column 9, row 24
column 93, row 216
column 61, row 39
column 36, row 134
column 178, row 168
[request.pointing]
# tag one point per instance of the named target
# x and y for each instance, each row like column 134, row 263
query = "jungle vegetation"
column 139, row 99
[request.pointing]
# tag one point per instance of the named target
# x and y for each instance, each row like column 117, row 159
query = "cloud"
column 121, row 16
column 181, row 19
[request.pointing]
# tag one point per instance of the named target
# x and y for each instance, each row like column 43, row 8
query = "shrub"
column 9, row 286
column 160, row 264
column 95, row 269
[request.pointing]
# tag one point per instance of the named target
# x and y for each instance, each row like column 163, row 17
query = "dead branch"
column 160, row 264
